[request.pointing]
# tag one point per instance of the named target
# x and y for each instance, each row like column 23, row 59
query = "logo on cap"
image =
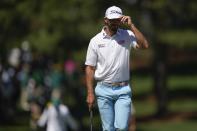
column 115, row 12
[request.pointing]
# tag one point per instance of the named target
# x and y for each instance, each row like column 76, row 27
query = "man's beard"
column 113, row 28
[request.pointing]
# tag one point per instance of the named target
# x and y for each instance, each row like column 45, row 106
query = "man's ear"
column 105, row 20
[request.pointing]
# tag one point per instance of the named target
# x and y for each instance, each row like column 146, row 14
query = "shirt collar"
column 104, row 34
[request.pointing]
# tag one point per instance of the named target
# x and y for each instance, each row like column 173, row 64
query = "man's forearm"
column 90, row 79
column 89, row 83
column 141, row 40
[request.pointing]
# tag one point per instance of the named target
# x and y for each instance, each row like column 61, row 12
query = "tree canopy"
column 71, row 23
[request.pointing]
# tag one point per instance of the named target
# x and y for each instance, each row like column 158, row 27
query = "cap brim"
column 115, row 16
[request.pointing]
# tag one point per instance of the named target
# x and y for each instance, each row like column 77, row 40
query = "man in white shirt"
column 107, row 61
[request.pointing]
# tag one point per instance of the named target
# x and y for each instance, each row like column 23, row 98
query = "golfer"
column 107, row 62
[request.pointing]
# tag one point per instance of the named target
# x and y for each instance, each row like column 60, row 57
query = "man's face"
column 113, row 24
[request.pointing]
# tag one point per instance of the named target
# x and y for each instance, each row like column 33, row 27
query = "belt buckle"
column 119, row 84
column 122, row 83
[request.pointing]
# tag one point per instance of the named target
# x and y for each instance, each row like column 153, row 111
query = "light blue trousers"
column 114, row 105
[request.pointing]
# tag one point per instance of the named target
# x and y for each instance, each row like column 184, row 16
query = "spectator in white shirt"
column 56, row 117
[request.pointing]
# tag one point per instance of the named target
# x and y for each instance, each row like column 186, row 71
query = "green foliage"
column 174, row 21
column 50, row 23
column 44, row 40
column 47, row 23
column 179, row 38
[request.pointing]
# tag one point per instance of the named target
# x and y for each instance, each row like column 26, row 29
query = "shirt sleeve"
column 91, row 57
column 43, row 119
column 132, row 39
column 69, row 118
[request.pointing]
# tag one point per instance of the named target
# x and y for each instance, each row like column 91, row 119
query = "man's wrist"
column 90, row 91
column 132, row 26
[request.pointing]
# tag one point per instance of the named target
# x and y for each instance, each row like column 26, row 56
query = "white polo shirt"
column 110, row 55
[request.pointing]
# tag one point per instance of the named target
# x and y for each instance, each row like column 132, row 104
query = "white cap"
column 113, row 12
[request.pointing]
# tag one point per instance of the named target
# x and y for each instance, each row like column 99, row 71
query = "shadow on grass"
column 183, row 93
column 169, row 116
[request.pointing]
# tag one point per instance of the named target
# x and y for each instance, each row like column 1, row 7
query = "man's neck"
column 109, row 32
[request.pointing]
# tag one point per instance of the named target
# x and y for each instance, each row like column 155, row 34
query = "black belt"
column 120, row 84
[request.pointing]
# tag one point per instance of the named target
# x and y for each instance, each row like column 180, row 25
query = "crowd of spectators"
column 27, row 80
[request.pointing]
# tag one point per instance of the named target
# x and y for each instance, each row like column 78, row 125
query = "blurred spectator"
column 26, row 56
column 9, row 84
column 23, row 77
column 35, row 114
column 69, row 66
column 54, row 78
column 56, row 116
column 74, row 86
column 9, row 91
column 71, row 74
column 14, row 57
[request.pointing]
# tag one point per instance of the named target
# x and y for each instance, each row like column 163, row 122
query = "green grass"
column 183, row 102
column 168, row 126
column 184, row 105
column 14, row 128
column 143, row 108
column 186, row 84
column 141, row 84
column 181, row 82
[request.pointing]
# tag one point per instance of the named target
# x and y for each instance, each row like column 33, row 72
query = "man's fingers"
column 90, row 106
column 123, row 19
column 90, row 101
column 126, row 20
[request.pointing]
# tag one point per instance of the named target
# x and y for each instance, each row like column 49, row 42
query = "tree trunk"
column 160, row 78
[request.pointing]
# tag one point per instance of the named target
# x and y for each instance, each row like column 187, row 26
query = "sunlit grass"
column 141, row 84
column 144, row 108
column 179, row 82
column 185, row 105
